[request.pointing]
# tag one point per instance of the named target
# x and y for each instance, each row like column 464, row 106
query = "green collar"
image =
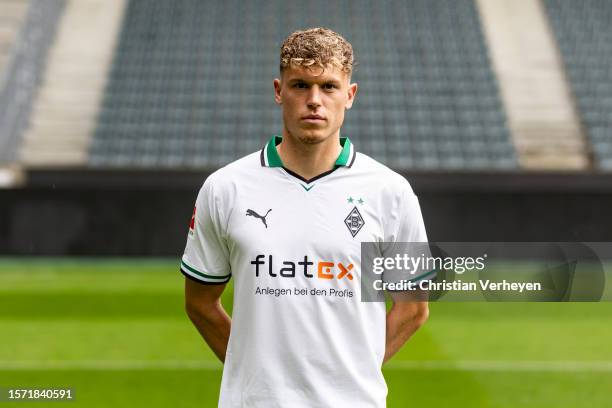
column 271, row 158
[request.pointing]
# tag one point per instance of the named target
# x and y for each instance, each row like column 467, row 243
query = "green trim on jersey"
column 274, row 160
column 423, row 275
column 203, row 275
column 343, row 158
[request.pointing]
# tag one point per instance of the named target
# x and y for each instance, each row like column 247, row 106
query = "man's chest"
column 327, row 219
column 288, row 236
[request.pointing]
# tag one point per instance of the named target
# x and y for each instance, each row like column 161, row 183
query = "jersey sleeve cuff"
column 425, row 276
column 194, row 274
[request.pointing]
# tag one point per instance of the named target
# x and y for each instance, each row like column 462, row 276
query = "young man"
column 287, row 223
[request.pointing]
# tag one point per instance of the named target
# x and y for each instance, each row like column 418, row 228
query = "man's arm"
column 203, row 306
column 404, row 318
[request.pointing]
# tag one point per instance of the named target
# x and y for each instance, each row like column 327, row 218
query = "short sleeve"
column 407, row 236
column 206, row 256
column 411, row 227
column 403, row 222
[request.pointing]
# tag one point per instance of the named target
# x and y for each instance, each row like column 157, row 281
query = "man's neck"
column 309, row 160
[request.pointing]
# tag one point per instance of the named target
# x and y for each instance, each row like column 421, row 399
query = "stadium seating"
column 29, row 42
column 191, row 83
column 584, row 35
column 12, row 13
column 65, row 112
column 540, row 109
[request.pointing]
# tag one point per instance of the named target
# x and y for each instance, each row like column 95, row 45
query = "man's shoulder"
column 240, row 168
column 387, row 179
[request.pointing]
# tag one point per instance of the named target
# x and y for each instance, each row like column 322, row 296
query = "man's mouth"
column 313, row 118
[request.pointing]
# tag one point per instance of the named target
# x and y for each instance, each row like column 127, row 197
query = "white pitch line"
column 501, row 365
column 120, row 365
column 466, row 365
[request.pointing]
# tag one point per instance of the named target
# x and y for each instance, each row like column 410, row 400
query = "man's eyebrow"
column 325, row 81
column 332, row 81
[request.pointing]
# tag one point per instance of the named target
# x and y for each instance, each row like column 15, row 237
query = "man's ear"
column 277, row 91
column 352, row 91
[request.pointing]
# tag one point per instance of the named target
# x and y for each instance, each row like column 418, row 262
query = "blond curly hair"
column 317, row 47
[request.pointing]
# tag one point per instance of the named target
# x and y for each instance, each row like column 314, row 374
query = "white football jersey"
column 300, row 335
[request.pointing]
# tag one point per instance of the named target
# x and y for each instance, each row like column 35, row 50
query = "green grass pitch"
column 115, row 332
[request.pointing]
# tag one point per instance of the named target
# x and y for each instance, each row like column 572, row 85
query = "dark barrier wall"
column 60, row 216
column 90, row 222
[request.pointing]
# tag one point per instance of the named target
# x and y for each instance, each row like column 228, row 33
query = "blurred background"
column 113, row 112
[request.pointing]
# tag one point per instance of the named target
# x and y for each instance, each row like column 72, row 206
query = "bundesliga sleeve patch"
column 192, row 222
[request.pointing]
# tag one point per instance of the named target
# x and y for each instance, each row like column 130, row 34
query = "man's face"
column 313, row 101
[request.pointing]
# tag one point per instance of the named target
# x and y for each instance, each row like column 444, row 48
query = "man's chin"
column 312, row 137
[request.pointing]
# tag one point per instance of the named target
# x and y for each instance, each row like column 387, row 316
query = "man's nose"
column 314, row 97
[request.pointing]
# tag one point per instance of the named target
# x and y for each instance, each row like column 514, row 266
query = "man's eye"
column 299, row 85
column 329, row 86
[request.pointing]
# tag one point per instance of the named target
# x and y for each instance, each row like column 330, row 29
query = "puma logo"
column 262, row 218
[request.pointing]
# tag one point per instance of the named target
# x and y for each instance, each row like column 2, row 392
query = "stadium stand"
column 584, row 35
column 178, row 88
column 191, row 83
column 22, row 74
column 64, row 114
column 544, row 123
column 12, row 13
